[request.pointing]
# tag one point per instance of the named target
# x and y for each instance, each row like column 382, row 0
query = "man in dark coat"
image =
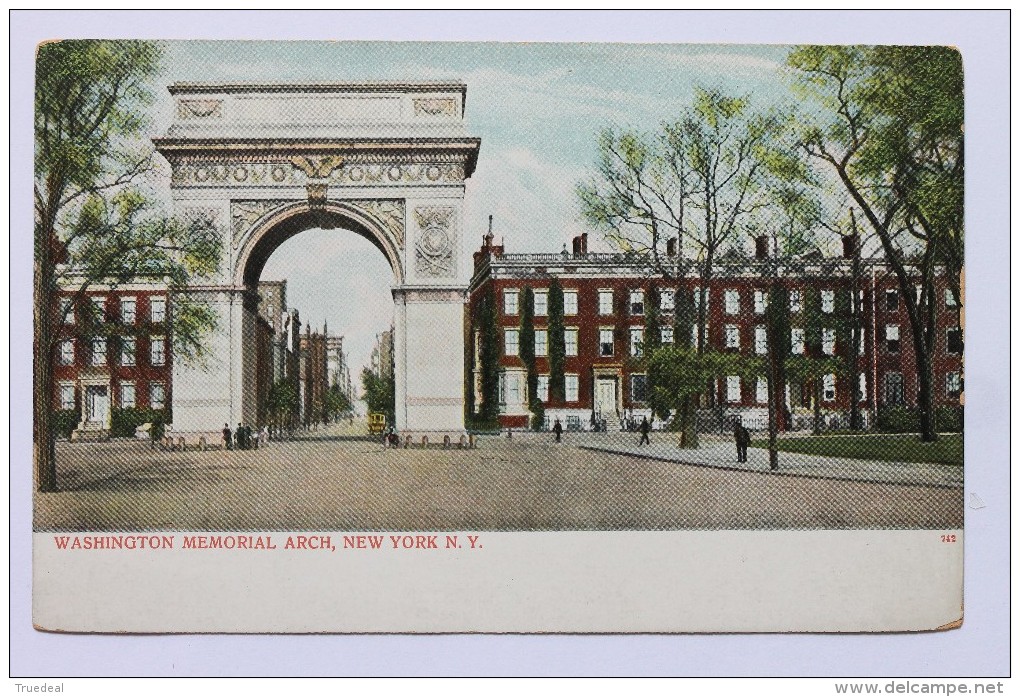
column 558, row 430
column 743, row 438
column 645, row 428
column 226, row 437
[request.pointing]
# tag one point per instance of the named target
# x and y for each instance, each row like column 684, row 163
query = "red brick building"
column 113, row 352
column 606, row 302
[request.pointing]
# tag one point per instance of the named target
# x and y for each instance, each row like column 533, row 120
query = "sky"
column 537, row 108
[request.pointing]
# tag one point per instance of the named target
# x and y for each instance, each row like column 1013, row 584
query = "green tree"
column 489, row 358
column 335, row 403
column 282, row 404
column 91, row 223
column 652, row 343
column 557, row 343
column 379, row 393
column 890, row 130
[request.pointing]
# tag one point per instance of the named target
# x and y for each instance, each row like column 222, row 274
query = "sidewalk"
column 720, row 455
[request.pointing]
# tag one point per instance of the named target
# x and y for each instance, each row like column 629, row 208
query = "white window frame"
column 666, row 335
column 667, row 299
column 153, row 387
column 541, row 342
column 154, row 302
column 950, row 298
column 67, row 310
column 511, row 348
column 67, row 396
column 542, row 389
column 570, row 347
column 761, row 391
column 637, row 302
column 732, row 301
column 99, row 347
column 121, row 402
column 829, row 342
column 611, row 343
column 953, row 378
column 732, row 335
column 828, row 301
column 829, row 387
column 733, row 389
column 892, row 333
column 128, row 349
column 795, row 300
column 569, row 303
column 797, row 341
column 99, row 305
column 571, row 387
column 605, row 302
column 511, row 302
column 157, row 358
column 761, row 302
column 637, row 342
column 895, row 295
column 633, row 380
column 541, row 306
column 761, row 340
column 862, row 387
column 132, row 301
column 67, row 352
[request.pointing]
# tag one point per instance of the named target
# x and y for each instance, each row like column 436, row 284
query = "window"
column 570, row 302
column 892, row 300
column 666, row 335
column 954, row 342
column 761, row 340
column 829, row 342
column 510, row 302
column 894, row 388
column 637, row 340
column 127, row 352
column 892, row 338
column 860, row 343
column 794, row 301
column 638, row 386
column 732, row 336
column 694, row 335
column 570, row 384
column 127, row 310
column 157, row 395
column 828, row 301
column 543, row 388
column 732, row 388
column 510, row 389
column 667, row 299
column 697, row 298
column 67, row 396
column 828, row 387
column 761, row 391
column 761, row 302
column 917, row 294
column 157, row 351
column 541, row 342
column 952, row 384
column 637, row 302
column 605, row 342
column 67, row 352
column 732, row 302
column 99, row 307
column 67, row 310
column 541, row 303
column 99, row 352
column 127, row 395
column 796, row 341
column 862, row 387
column 158, row 310
column 605, row 302
column 950, row 298
column 511, row 342
column 570, row 342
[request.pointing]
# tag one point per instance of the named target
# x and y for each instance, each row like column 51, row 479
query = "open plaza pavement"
column 338, row 479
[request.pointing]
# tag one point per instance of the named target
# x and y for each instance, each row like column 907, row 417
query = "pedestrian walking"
column 645, row 428
column 264, row 435
column 558, row 430
column 239, row 436
column 227, row 440
column 743, row 437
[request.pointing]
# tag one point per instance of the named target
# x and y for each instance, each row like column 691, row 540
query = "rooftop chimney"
column 761, row 247
column 488, row 236
column 576, row 246
column 584, row 243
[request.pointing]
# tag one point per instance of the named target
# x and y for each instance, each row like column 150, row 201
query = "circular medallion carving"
column 240, row 174
column 357, row 174
column 201, row 174
column 279, row 174
column 432, row 173
column 394, row 173
column 436, row 242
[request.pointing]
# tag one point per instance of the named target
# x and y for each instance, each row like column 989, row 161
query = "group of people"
column 244, row 438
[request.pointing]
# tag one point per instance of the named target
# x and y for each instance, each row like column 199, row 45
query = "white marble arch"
column 387, row 161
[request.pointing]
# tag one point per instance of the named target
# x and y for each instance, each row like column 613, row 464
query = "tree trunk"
column 689, row 423
column 773, row 417
column 42, row 370
column 926, row 393
column 816, row 404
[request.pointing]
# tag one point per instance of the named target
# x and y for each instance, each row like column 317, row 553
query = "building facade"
column 608, row 304
column 113, row 353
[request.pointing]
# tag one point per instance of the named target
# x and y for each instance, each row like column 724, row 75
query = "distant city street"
column 336, row 478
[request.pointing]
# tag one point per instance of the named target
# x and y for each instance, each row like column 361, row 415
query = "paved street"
column 528, row 483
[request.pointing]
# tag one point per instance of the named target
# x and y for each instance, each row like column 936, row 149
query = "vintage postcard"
column 479, row 337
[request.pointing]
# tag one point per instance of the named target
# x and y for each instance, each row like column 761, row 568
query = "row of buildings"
column 114, row 356
column 606, row 302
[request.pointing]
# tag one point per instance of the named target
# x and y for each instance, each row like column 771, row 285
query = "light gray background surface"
column 980, row 648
